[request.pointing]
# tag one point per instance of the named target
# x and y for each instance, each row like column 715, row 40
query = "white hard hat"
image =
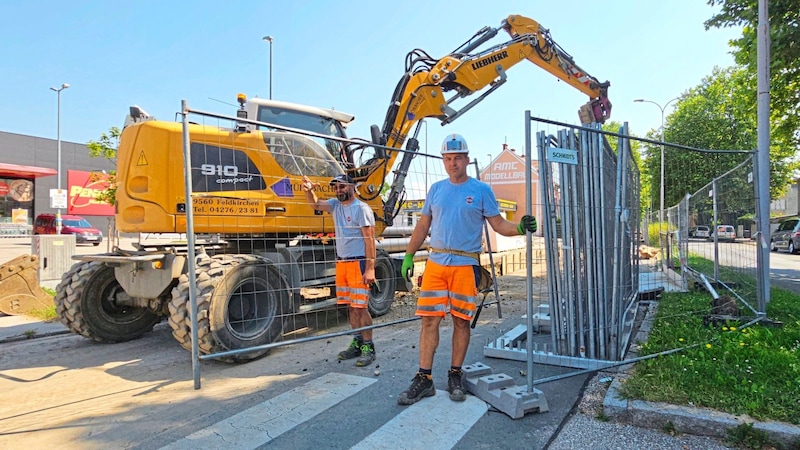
column 454, row 143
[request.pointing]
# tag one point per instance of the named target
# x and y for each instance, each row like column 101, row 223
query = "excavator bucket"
column 20, row 292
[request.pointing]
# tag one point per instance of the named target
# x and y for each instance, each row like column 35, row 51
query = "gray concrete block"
column 500, row 391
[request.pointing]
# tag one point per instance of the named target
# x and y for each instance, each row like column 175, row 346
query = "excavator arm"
column 420, row 93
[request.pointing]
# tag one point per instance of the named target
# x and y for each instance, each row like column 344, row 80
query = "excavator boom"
column 421, row 91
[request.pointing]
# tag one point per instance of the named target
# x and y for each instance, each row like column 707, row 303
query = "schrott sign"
column 82, row 193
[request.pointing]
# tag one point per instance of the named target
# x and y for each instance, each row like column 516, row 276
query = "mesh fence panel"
column 712, row 231
column 267, row 261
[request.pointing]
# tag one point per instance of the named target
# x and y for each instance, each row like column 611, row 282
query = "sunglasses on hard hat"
column 454, row 145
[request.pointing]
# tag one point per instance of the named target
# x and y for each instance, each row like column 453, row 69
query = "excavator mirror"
column 377, row 139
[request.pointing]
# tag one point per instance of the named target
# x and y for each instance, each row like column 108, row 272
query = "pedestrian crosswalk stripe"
column 432, row 423
column 264, row 422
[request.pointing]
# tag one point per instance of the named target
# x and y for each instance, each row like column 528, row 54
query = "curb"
column 688, row 420
column 683, row 419
column 33, row 337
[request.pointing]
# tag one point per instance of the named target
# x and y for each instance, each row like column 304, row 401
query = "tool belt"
column 350, row 258
column 485, row 281
column 474, row 255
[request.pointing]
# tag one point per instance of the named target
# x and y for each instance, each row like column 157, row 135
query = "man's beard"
column 343, row 196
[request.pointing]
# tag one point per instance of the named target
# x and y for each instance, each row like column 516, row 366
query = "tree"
column 645, row 179
column 106, row 147
column 718, row 114
column 784, row 18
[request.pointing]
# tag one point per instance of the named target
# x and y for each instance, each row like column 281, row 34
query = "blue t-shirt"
column 348, row 220
column 457, row 213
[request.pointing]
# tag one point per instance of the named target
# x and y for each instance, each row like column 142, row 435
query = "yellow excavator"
column 264, row 241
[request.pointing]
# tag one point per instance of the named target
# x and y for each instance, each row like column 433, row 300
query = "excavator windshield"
column 306, row 120
column 300, row 155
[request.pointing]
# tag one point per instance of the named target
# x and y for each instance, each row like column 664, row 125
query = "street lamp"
column 58, row 134
column 661, row 206
column 270, row 40
column 489, row 171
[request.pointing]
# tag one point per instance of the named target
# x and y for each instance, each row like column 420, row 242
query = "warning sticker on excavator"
column 142, row 160
column 228, row 206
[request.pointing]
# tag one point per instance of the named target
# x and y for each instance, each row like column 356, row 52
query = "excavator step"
column 20, row 292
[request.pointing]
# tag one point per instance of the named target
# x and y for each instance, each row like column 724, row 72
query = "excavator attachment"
column 595, row 111
column 20, row 292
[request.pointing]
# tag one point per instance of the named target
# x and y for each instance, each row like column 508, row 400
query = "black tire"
column 85, row 303
column 381, row 294
column 95, row 244
column 792, row 250
column 242, row 302
column 772, row 246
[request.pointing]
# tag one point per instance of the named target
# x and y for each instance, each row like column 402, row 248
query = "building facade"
column 505, row 174
column 28, row 171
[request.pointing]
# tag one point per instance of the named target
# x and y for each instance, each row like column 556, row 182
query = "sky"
column 342, row 55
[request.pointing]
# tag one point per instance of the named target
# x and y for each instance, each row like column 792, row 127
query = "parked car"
column 723, row 233
column 84, row 232
column 700, row 231
column 786, row 236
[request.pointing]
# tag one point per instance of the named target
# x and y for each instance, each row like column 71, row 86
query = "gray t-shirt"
column 348, row 220
column 457, row 213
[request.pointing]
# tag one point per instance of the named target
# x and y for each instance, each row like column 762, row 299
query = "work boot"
column 421, row 386
column 367, row 355
column 455, row 385
column 353, row 351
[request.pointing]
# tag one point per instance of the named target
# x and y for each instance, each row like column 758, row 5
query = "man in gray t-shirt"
column 354, row 224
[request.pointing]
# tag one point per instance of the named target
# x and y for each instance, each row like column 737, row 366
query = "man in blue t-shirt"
column 454, row 212
column 354, row 224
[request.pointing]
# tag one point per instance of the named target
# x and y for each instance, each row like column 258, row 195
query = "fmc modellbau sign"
column 82, row 191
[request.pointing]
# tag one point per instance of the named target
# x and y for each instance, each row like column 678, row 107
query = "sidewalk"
column 18, row 328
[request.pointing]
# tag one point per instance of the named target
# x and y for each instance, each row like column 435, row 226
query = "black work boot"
column 455, row 385
column 421, row 386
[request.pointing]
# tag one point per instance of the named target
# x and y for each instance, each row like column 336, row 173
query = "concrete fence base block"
column 500, row 391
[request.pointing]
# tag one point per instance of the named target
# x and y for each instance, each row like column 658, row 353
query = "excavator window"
column 308, row 122
column 300, row 155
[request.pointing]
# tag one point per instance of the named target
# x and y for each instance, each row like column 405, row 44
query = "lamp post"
column 58, row 137
column 489, row 171
column 661, row 205
column 270, row 40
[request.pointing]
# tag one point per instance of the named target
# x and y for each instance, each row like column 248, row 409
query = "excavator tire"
column 242, row 302
column 381, row 294
column 86, row 304
column 20, row 292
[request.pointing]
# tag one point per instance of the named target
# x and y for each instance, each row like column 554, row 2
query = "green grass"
column 46, row 314
column 753, row 371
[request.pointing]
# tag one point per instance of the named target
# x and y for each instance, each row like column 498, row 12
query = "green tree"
column 784, row 21
column 645, row 180
column 106, row 147
column 718, row 114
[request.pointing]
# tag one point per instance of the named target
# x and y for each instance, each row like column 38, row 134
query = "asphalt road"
column 68, row 392
column 784, row 267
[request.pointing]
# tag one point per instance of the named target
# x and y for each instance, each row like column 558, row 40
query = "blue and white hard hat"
column 454, row 143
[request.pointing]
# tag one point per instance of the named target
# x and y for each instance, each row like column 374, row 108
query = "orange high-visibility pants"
column 447, row 289
column 350, row 287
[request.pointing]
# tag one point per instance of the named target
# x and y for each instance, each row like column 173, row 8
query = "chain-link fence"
column 711, row 236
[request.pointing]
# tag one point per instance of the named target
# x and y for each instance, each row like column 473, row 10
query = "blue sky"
column 346, row 55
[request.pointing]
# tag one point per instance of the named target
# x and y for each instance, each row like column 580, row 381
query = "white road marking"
column 432, row 423
column 264, row 422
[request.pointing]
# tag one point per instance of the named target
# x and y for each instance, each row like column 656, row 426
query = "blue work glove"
column 407, row 269
column 528, row 223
